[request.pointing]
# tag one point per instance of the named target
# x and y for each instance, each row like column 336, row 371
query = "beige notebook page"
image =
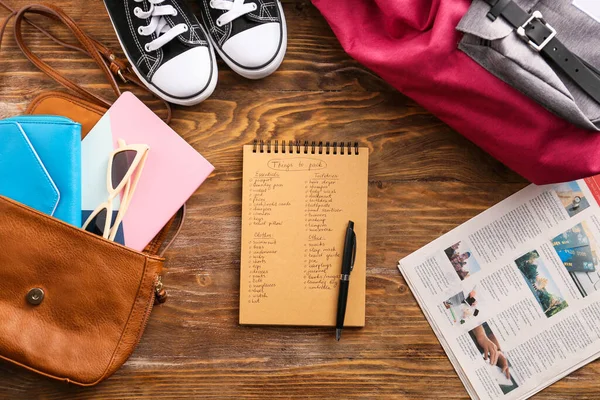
column 296, row 209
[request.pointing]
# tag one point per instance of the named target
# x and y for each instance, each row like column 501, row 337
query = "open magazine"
column 513, row 295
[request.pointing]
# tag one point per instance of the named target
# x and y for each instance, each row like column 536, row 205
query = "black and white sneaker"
column 250, row 35
column 167, row 48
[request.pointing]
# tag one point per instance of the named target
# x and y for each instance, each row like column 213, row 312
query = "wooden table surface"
column 424, row 179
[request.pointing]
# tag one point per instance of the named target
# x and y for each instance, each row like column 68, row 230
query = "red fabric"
column 413, row 45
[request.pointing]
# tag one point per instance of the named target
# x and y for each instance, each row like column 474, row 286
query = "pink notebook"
column 173, row 172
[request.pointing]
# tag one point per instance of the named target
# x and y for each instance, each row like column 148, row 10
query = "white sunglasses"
column 122, row 164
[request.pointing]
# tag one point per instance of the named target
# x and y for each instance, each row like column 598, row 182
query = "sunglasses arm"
column 125, row 200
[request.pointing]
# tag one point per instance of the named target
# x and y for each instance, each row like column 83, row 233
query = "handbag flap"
column 23, row 175
column 95, row 295
column 58, row 103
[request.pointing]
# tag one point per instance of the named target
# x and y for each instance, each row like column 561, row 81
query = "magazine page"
column 513, row 293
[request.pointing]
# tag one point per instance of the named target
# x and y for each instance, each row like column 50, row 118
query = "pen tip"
column 338, row 334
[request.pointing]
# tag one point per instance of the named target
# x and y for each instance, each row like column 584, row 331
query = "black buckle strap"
column 497, row 9
column 541, row 36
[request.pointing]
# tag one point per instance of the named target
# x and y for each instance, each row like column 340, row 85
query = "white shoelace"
column 234, row 8
column 158, row 24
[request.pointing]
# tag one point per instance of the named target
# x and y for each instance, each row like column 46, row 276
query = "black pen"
column 347, row 265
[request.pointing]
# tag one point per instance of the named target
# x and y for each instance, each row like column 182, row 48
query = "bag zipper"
column 159, row 295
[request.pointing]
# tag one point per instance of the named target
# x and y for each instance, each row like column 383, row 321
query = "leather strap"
column 497, row 9
column 154, row 247
column 183, row 212
column 540, row 35
column 112, row 66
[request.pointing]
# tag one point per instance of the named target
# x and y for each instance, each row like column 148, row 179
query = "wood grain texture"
column 424, row 180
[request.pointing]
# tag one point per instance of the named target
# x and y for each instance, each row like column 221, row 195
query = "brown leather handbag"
column 73, row 305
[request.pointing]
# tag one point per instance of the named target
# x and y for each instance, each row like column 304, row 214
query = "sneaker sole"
column 267, row 69
column 188, row 101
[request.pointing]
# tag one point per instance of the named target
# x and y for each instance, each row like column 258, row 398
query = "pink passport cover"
column 172, row 173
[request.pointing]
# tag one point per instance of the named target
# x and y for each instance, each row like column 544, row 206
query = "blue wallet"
column 40, row 164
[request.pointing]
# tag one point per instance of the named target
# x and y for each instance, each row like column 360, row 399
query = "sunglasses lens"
column 121, row 164
column 96, row 226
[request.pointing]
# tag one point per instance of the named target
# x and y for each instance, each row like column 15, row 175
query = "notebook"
column 297, row 201
column 172, row 173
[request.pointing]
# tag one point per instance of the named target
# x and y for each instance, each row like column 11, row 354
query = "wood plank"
column 424, row 180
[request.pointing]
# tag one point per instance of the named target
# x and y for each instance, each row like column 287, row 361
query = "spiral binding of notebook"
column 297, row 147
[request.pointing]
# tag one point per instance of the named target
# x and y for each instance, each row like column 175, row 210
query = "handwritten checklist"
column 295, row 208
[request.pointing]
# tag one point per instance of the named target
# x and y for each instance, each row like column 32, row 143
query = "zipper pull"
column 160, row 294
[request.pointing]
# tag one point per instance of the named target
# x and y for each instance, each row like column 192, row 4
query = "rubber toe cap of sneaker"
column 254, row 47
column 186, row 75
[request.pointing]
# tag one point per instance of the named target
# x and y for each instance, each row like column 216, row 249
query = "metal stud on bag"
column 35, row 296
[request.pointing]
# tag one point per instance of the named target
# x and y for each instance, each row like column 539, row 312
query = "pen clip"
column 353, row 251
